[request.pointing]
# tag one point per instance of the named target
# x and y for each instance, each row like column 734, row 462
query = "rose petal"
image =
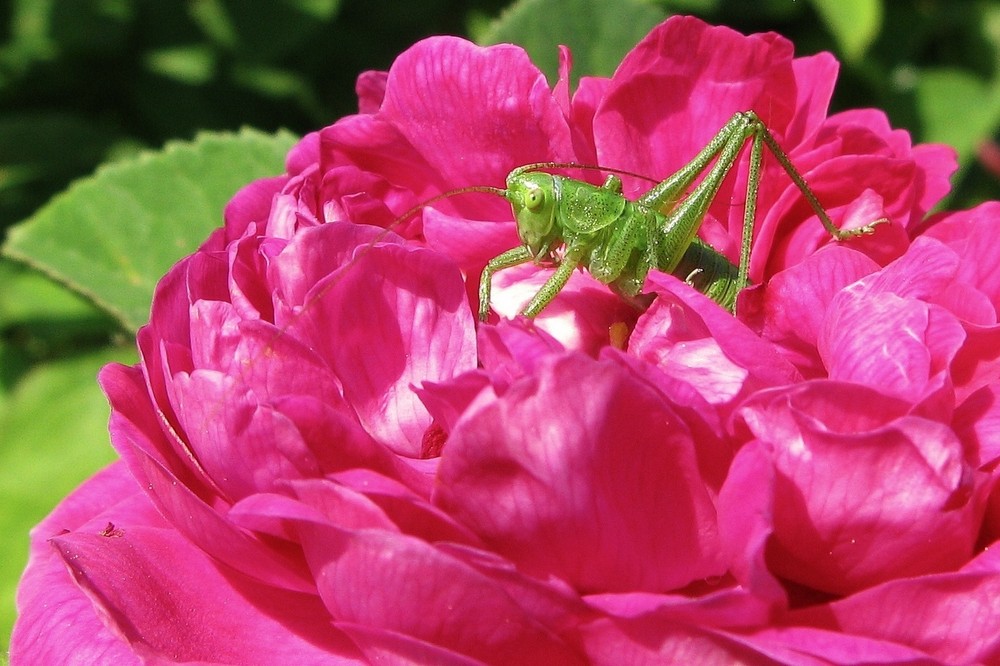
column 404, row 585
column 509, row 117
column 863, row 493
column 790, row 309
column 49, row 603
column 583, row 459
column 952, row 616
column 167, row 599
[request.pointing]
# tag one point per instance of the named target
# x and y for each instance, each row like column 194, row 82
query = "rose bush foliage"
column 325, row 459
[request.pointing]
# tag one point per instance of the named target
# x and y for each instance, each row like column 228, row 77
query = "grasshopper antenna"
column 538, row 166
column 445, row 195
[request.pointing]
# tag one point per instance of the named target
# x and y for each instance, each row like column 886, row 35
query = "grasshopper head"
column 532, row 196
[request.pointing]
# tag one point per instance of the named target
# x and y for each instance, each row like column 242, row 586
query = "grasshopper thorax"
column 533, row 197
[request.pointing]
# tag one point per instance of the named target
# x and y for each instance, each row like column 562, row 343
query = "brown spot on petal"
column 618, row 333
column 433, row 441
column 111, row 531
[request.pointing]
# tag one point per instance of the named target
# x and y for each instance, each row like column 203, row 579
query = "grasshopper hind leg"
column 760, row 130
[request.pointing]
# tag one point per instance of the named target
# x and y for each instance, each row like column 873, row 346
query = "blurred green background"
column 91, row 82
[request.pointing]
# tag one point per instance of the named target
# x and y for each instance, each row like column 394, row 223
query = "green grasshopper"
column 568, row 223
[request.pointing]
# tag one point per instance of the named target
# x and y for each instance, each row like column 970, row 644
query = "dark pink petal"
column 277, row 515
column 855, row 157
column 952, row 616
column 854, row 190
column 938, row 163
column 358, row 499
column 170, row 601
column 790, row 309
column 447, row 401
column 717, row 603
column 250, row 292
column 135, row 424
column 863, row 132
column 971, row 235
column 268, row 412
column 726, row 359
column 967, row 303
column 350, row 194
column 407, row 303
column 251, row 205
column 649, row 640
column 551, row 601
column 410, row 306
column 865, row 136
column 514, row 348
column 927, row 268
column 470, row 243
column 370, row 88
column 273, row 413
column 561, row 90
column 375, row 145
column 746, row 522
column 240, row 439
column 57, row 622
column 165, row 343
column 206, row 527
column 706, row 421
column 815, row 77
column 396, row 583
column 406, row 512
column 977, row 424
column 877, row 333
column 202, row 275
column 817, row 646
column 977, row 363
column 900, row 346
column 174, row 493
column 288, row 214
column 656, row 636
column 681, row 84
column 314, row 255
column 304, row 155
column 590, row 90
column 863, row 492
column 509, row 116
column 583, row 458
column 381, row 646
column 990, row 531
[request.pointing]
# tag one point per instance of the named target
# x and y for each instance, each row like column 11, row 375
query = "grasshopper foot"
column 865, row 230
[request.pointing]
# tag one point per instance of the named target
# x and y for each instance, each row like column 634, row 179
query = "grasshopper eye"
column 534, row 198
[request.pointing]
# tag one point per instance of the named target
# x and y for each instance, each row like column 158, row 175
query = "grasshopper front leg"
column 554, row 284
column 513, row 257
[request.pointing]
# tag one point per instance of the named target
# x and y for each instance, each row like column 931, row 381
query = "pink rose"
column 325, row 459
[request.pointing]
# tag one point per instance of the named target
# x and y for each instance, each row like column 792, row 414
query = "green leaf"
column 598, row 32
column 191, row 64
column 112, row 236
column 41, row 320
column 41, row 151
column 265, row 31
column 699, row 7
column 854, row 23
column 53, row 435
column 27, row 295
column 956, row 108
